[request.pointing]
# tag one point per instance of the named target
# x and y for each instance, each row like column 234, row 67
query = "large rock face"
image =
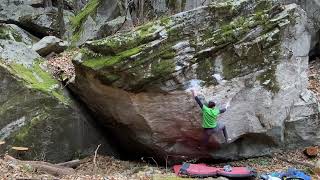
column 251, row 53
column 36, row 113
column 312, row 8
column 15, row 33
column 39, row 21
column 174, row 6
column 98, row 19
column 75, row 5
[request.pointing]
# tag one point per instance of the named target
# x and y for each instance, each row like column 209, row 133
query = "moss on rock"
column 78, row 20
column 8, row 33
column 204, row 71
column 242, row 33
column 106, row 61
column 36, row 78
column 268, row 79
column 22, row 134
column 33, row 114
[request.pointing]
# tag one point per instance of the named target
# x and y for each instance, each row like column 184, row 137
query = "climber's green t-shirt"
column 209, row 117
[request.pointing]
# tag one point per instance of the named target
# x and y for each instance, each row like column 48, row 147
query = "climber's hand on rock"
column 194, row 94
column 228, row 104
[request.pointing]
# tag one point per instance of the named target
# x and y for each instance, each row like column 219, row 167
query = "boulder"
column 35, row 111
column 99, row 19
column 251, row 53
column 35, row 3
column 76, row 5
column 14, row 51
column 15, row 33
column 50, row 44
column 312, row 8
column 174, row 6
column 38, row 21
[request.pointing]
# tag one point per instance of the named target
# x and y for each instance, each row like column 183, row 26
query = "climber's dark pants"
column 209, row 131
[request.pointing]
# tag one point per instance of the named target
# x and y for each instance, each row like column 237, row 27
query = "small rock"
column 50, row 44
column 311, row 151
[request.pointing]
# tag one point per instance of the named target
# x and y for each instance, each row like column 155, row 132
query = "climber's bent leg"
column 206, row 135
column 222, row 127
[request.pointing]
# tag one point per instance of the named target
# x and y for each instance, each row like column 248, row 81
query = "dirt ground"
column 108, row 168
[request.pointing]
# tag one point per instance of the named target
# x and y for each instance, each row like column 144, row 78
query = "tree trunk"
column 49, row 168
column 71, row 164
column 60, row 19
column 47, row 3
column 141, row 11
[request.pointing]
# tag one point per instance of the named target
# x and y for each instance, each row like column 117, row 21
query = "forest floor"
column 109, row 168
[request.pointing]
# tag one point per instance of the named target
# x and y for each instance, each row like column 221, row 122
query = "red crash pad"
column 203, row 170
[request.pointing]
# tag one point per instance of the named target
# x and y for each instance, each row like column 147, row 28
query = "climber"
column 209, row 119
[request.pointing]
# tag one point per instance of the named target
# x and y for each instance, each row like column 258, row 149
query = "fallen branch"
column 49, row 168
column 95, row 158
column 142, row 158
column 71, row 164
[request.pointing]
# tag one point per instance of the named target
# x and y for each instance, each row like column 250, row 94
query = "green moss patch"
column 105, row 61
column 119, row 43
column 8, row 33
column 129, row 40
column 244, row 36
column 162, row 68
column 204, row 71
column 78, row 20
column 230, row 32
column 24, row 131
column 36, row 78
column 268, row 79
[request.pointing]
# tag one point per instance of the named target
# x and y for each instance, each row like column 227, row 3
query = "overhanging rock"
column 251, row 53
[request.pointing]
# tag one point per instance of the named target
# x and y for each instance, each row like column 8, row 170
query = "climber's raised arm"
column 222, row 110
column 194, row 94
